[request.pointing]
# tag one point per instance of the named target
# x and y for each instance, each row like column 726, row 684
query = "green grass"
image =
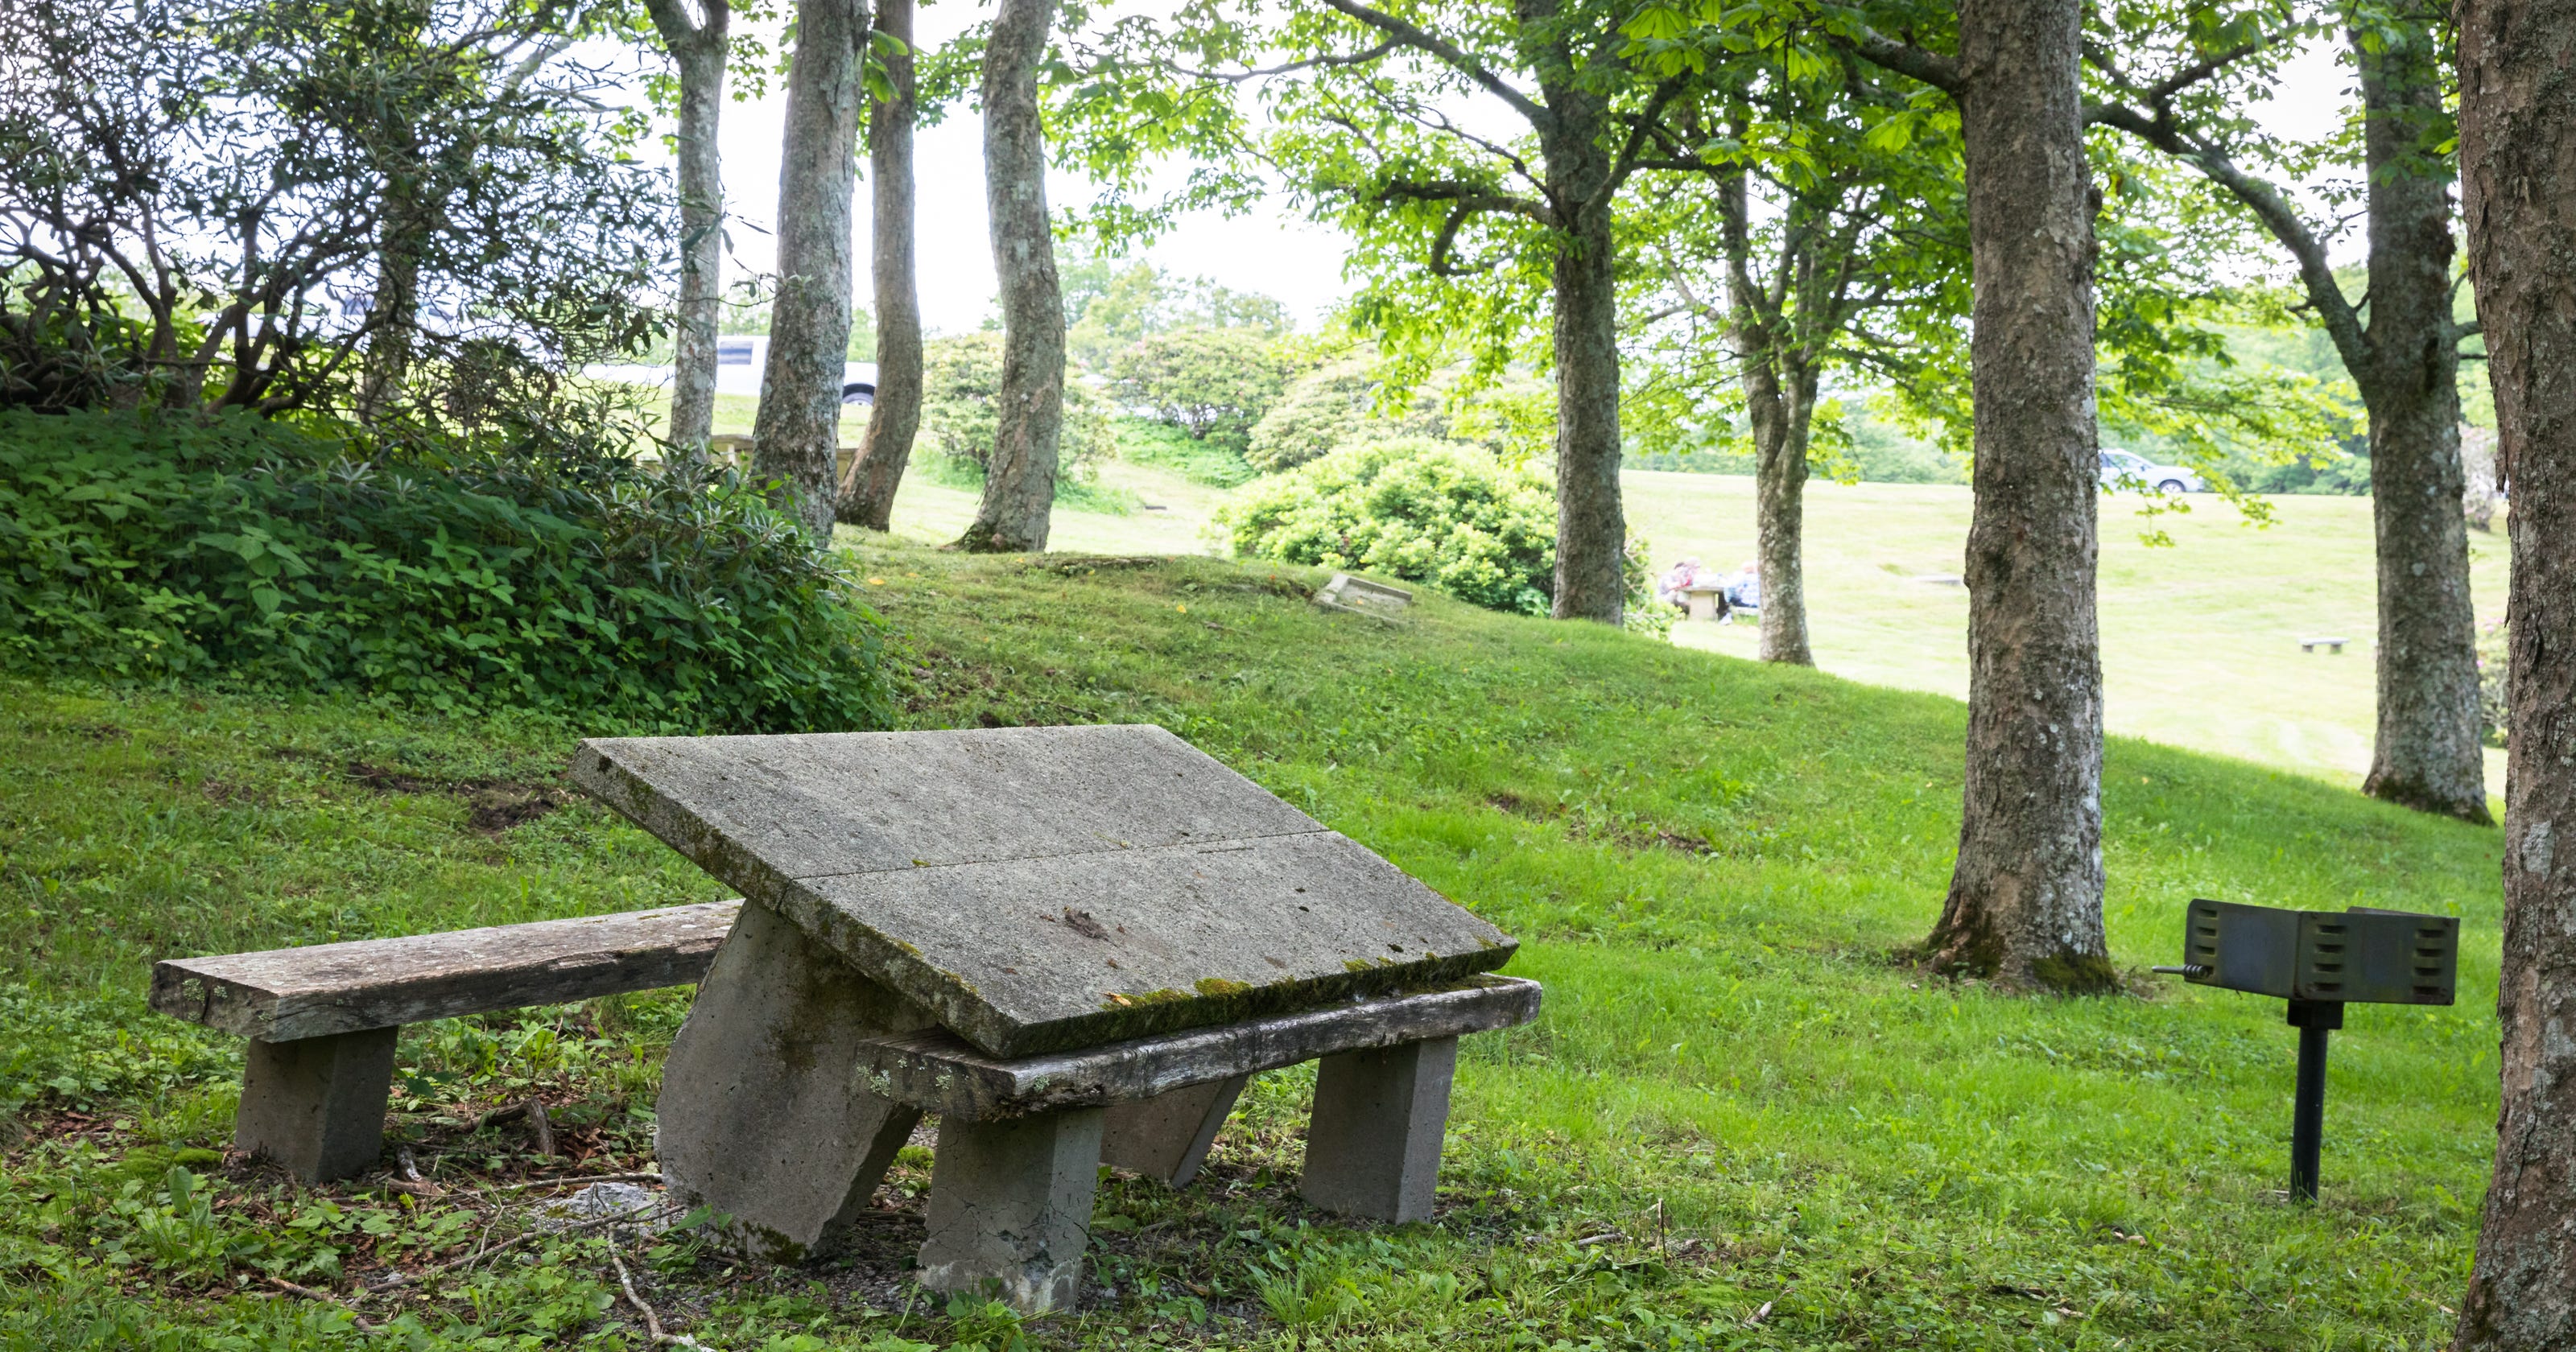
column 1738, row 1122
column 2200, row 641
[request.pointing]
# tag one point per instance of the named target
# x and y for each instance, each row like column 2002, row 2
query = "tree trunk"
column 809, row 321
column 1778, row 375
column 2025, row 902
column 393, row 313
column 1591, row 530
column 867, row 496
column 700, row 50
column 1019, row 482
column 2517, row 158
column 2427, row 754
column 1779, row 514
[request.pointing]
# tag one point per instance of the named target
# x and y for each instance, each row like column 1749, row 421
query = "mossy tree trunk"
column 867, row 496
column 2401, row 349
column 809, row 321
column 2427, row 753
column 698, row 45
column 2025, row 900
column 1019, row 481
column 2517, row 160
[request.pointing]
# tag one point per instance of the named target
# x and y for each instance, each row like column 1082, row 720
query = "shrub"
column 1332, row 408
column 1436, row 512
column 1514, row 416
column 961, row 378
column 242, row 551
column 1211, row 383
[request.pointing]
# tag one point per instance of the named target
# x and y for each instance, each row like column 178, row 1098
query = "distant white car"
column 740, row 359
column 2128, row 469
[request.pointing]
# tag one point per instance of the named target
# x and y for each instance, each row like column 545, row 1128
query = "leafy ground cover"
column 1742, row 1121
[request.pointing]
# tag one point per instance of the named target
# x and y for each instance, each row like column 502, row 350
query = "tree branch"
column 1449, row 54
column 2316, row 274
column 1261, row 72
column 1932, row 68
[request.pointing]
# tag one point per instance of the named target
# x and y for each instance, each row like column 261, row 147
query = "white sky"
column 1271, row 251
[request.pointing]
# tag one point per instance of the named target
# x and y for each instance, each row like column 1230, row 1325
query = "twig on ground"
column 534, row 1113
column 408, row 1179
column 573, row 1178
column 409, row 1278
column 652, row 1322
column 323, row 1298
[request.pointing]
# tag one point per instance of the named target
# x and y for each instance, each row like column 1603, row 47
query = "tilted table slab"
column 1025, row 892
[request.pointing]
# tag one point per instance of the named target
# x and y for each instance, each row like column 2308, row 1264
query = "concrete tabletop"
column 1039, row 889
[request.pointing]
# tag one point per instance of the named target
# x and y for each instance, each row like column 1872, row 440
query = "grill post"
column 2316, row 1020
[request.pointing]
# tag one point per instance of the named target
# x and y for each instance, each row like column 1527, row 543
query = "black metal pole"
column 2315, row 1020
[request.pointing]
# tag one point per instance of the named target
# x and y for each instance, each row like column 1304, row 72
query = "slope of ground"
column 1739, row 1122
column 2200, row 640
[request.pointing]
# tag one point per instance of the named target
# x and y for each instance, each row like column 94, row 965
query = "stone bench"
column 1020, row 1140
column 322, row 1019
column 2330, row 644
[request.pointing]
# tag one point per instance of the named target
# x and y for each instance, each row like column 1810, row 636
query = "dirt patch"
column 224, row 793
column 497, row 804
column 1518, row 806
column 1275, row 585
column 1074, row 565
column 1634, row 837
column 1659, row 838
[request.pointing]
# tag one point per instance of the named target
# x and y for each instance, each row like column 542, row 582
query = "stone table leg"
column 764, row 1115
column 1373, row 1145
column 317, row 1105
column 1166, row 1137
column 1010, row 1207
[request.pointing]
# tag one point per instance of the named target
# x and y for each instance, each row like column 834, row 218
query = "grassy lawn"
column 1738, row 1123
column 2199, row 640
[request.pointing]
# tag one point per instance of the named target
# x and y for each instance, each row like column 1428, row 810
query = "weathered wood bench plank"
column 286, row 994
column 936, row 1070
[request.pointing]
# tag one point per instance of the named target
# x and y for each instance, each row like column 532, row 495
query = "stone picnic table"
column 1073, row 944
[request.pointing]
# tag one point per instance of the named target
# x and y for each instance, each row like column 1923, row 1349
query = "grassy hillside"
column 2199, row 640
column 1738, row 1123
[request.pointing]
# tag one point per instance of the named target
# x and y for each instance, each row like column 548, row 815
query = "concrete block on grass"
column 1044, row 889
column 1166, row 1137
column 1010, row 1207
column 1373, row 1144
column 317, row 1104
column 766, row 1114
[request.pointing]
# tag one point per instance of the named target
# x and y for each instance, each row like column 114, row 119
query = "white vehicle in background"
column 740, row 359
column 2128, row 469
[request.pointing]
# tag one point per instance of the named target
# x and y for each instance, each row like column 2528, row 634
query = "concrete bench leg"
column 1373, row 1145
column 1010, row 1207
column 317, row 1105
column 1166, row 1137
column 764, row 1115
